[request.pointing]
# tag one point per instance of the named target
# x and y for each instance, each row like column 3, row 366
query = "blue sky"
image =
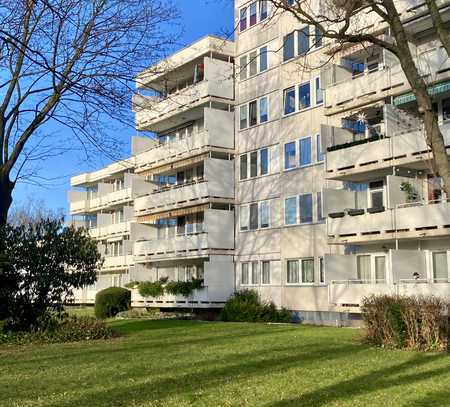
column 198, row 18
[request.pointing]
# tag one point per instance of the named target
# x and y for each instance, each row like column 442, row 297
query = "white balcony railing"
column 110, row 230
column 117, row 262
column 418, row 218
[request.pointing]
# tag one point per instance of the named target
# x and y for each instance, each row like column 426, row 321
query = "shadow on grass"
column 380, row 379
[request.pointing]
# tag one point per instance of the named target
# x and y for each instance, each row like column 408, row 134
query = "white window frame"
column 246, row 106
column 300, row 281
column 245, row 227
column 262, row 272
column 258, row 164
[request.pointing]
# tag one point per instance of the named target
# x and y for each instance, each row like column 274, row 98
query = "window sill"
column 304, row 166
column 258, row 177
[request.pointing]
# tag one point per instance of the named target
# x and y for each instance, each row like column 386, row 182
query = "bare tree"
column 352, row 21
column 72, row 62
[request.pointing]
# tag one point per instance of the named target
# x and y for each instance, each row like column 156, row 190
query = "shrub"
column 151, row 289
column 71, row 329
column 246, row 306
column 110, row 301
column 184, row 288
column 406, row 322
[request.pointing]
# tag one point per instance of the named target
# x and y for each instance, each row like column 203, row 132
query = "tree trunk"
column 6, row 189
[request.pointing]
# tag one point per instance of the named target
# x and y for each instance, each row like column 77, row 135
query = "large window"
column 289, row 100
column 305, row 151
column 290, row 211
column 254, row 164
column 255, row 273
column 306, row 208
column 255, row 216
column 304, row 96
column 300, row 271
column 363, row 268
column 263, row 59
column 254, row 112
column 289, row 155
column 303, row 41
column 288, row 47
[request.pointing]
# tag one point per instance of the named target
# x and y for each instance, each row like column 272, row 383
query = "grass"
column 190, row 363
column 80, row 311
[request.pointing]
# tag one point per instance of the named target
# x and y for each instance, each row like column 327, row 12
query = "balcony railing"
column 117, row 262
column 379, row 153
column 103, row 201
column 110, row 230
column 412, row 220
column 350, row 293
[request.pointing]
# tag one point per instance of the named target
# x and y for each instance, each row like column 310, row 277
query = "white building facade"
column 282, row 166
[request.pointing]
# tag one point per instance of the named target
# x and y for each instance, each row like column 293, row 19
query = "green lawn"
column 183, row 363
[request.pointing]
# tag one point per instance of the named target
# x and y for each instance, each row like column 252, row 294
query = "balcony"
column 218, row 134
column 218, row 235
column 155, row 113
column 343, row 91
column 409, row 220
column 112, row 263
column 81, row 202
column 108, row 171
column 218, row 185
column 122, row 228
column 352, row 161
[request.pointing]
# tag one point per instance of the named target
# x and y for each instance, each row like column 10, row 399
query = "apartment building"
column 284, row 164
column 177, row 188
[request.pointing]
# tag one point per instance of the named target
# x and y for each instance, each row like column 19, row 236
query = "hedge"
column 112, row 300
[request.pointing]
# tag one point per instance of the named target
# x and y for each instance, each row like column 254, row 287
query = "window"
column 253, row 216
column 265, row 266
column 319, row 92
column 243, row 117
column 440, row 266
column 243, row 19
column 263, row 114
column 289, row 155
column 305, row 151
column 308, row 271
column 303, row 41
column 306, row 208
column 252, row 14
column 253, row 113
column 253, row 62
column 363, row 268
column 357, row 68
column 244, row 273
column 288, row 47
column 320, row 154
column 376, row 194
column 255, row 274
column 263, row 161
column 290, row 211
column 264, row 214
column 446, row 109
column 319, row 207
column 318, row 37
column 243, row 68
column 253, row 164
column 321, row 271
column 292, row 271
column 262, row 59
column 263, row 10
column 289, row 100
column 244, row 217
column 243, row 164
column 304, row 96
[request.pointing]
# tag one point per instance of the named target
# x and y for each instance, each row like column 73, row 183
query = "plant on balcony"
column 411, row 192
column 406, row 322
column 184, row 288
column 354, row 143
column 151, row 289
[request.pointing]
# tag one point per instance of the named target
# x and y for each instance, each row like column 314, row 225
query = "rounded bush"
column 112, row 300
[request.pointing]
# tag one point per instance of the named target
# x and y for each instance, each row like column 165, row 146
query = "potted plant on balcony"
column 410, row 191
